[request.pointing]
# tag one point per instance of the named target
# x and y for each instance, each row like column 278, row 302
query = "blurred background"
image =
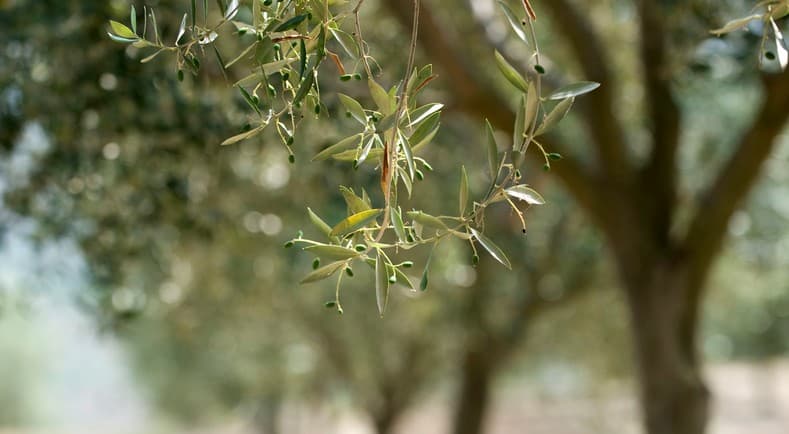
column 144, row 287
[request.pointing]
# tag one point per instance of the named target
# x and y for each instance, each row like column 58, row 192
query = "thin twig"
column 360, row 40
column 390, row 150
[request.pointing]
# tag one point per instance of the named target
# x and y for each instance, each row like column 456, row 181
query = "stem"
column 360, row 40
column 390, row 155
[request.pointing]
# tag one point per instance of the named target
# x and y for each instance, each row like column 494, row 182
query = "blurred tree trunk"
column 674, row 397
column 384, row 421
column 267, row 414
column 476, row 376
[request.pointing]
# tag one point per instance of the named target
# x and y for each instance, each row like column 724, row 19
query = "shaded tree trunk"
column 267, row 415
column 474, row 397
column 664, row 307
column 384, row 422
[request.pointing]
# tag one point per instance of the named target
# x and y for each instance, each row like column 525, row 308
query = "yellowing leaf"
column 121, row 30
column 355, row 222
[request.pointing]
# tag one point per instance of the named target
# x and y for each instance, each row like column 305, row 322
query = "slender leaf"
column 532, row 106
column 355, row 203
column 515, row 22
column 510, row 73
column 403, row 279
column 120, row 39
column 243, row 136
column 381, row 98
column 366, row 149
column 492, row 248
column 463, row 195
column 323, row 272
column 425, row 131
column 425, row 274
column 353, row 106
column 381, row 283
column 332, row 252
column 397, row 222
column 736, row 24
column 122, row 31
column 555, row 116
column 319, row 223
column 133, row 19
column 573, row 90
column 423, row 113
column 347, row 42
column 348, row 142
column 426, row 220
column 493, row 152
column 291, row 23
column 519, row 130
column 304, row 88
column 525, row 193
column 355, row 222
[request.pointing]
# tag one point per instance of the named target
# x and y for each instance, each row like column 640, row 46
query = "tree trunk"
column 664, row 309
column 267, row 414
column 384, row 422
column 477, row 373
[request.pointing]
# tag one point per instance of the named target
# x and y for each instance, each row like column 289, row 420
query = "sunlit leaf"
column 492, row 248
column 120, row 39
column 573, row 90
column 426, row 219
column 353, row 106
column 347, row 42
column 366, row 149
column 133, row 19
column 381, row 282
column 402, row 278
column 532, row 106
column 422, row 113
column 493, row 152
column 319, row 223
column 122, row 31
column 397, row 222
column 515, row 22
column 332, row 252
column 243, row 136
column 555, row 116
column 510, row 73
column 525, row 193
column 736, row 24
column 207, row 38
column 323, row 272
column 381, row 98
column 355, row 203
column 348, row 142
column 232, row 9
column 463, row 194
column 181, row 30
column 409, row 155
column 425, row 131
column 355, row 222
column 519, row 130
